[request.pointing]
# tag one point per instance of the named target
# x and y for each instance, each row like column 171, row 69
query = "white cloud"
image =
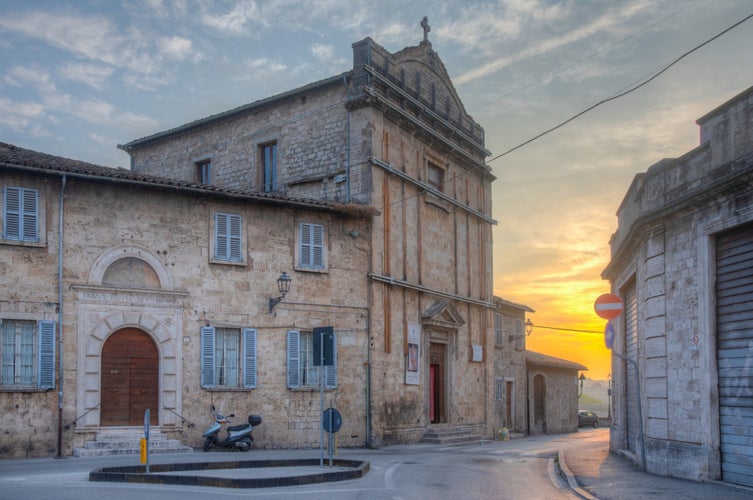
column 93, row 75
column 237, row 21
column 27, row 76
column 18, row 115
column 175, row 47
column 322, row 52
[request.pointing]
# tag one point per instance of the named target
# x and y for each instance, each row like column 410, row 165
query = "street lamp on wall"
column 283, row 287
column 529, row 326
column 581, row 379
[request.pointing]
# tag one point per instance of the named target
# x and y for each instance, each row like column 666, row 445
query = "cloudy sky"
column 79, row 77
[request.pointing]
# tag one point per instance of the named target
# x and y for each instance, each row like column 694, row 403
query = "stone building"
column 510, row 376
column 682, row 261
column 121, row 292
column 552, row 390
column 391, row 133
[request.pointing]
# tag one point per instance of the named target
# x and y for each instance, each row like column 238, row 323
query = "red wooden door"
column 130, row 371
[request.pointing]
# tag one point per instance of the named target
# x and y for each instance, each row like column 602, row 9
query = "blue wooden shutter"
column 220, row 236
column 294, row 373
column 312, row 245
column 207, row 356
column 46, row 353
column 234, row 251
column 21, row 214
column 330, row 372
column 249, row 358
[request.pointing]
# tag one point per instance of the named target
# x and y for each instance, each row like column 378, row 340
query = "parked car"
column 587, row 418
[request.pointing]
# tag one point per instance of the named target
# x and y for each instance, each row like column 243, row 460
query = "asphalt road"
column 517, row 469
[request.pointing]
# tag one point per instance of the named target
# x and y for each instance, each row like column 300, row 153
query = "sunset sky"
column 77, row 78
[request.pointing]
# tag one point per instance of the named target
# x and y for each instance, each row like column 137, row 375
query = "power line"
column 621, row 94
column 565, row 329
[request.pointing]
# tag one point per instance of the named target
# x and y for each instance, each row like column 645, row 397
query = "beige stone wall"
column 561, row 401
column 171, row 232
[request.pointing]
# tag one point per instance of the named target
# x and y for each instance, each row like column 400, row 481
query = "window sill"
column 237, row 263
column 310, row 389
column 317, row 270
column 23, row 389
column 22, row 243
column 228, row 389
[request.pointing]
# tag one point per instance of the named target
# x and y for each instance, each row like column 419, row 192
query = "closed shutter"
column 249, row 358
column 228, row 229
column 294, row 373
column 631, row 352
column 330, row 372
column 207, row 356
column 734, row 330
column 21, row 214
column 46, row 354
column 312, row 246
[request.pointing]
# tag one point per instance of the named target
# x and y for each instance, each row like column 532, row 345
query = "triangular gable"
column 442, row 314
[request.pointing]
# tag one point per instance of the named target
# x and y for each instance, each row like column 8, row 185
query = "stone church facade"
column 369, row 189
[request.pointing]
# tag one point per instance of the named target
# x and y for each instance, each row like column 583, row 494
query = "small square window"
column 435, row 176
column 204, row 171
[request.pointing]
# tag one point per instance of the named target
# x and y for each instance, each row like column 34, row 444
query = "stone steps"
column 129, row 443
column 452, row 435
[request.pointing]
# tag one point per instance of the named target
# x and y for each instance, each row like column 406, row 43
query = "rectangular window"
column 27, row 354
column 228, row 357
column 499, row 331
column 499, row 389
column 301, row 372
column 228, row 236
column 435, row 176
column 269, row 166
column 204, row 170
column 311, row 246
column 21, row 214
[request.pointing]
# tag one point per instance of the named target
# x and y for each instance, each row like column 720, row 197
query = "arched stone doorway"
column 129, row 378
column 539, row 406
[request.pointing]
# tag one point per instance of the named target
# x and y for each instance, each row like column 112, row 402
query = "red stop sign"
column 608, row 306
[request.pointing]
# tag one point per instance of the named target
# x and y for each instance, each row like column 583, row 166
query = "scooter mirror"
column 232, row 415
column 212, row 407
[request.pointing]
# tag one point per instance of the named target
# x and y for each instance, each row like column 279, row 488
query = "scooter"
column 238, row 436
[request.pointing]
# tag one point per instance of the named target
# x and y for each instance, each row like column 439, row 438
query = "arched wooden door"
column 130, row 379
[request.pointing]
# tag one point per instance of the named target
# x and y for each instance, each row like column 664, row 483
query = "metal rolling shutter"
column 734, row 326
column 631, row 351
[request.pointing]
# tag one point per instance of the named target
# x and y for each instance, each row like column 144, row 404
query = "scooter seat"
column 237, row 427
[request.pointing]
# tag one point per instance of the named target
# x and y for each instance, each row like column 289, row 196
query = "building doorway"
column 437, row 383
column 130, row 379
column 539, row 397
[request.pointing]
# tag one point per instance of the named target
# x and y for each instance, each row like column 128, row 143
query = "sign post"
column 608, row 306
column 145, row 441
column 324, row 340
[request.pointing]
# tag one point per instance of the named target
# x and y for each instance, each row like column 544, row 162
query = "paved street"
column 521, row 468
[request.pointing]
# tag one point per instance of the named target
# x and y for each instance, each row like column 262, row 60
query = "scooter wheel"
column 244, row 445
column 208, row 443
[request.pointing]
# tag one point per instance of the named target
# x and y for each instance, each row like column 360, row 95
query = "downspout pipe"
column 60, row 314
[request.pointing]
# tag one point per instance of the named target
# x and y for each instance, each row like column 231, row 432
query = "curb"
column 570, row 477
column 137, row 474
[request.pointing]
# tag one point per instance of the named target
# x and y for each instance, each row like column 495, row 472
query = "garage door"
column 734, row 313
column 631, row 352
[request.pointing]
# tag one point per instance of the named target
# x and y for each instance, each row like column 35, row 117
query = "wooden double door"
column 130, row 379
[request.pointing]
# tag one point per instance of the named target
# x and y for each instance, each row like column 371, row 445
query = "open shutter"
column 330, row 372
column 317, row 246
column 30, row 211
column 305, row 242
column 249, row 358
column 46, row 353
column 221, row 236
column 234, row 226
column 294, row 373
column 207, row 356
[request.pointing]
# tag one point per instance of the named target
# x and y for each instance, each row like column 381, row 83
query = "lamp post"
column 581, row 379
column 529, row 326
column 283, row 287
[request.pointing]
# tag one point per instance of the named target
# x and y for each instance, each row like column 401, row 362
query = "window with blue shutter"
column 249, row 358
column 301, row 372
column 27, row 354
column 46, row 377
column 207, row 356
column 228, row 237
column 21, row 214
column 294, row 374
column 311, row 246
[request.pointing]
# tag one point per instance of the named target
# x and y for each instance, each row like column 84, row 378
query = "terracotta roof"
column 42, row 163
column 499, row 301
column 536, row 358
